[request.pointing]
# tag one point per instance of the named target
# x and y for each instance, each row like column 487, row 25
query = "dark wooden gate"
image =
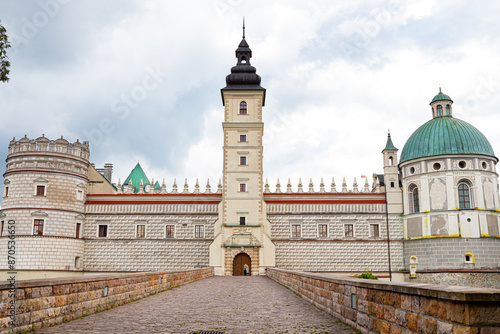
column 240, row 262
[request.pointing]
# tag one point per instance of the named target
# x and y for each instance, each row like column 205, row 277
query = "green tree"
column 4, row 63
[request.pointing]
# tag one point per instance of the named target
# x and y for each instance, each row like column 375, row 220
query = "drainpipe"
column 388, row 235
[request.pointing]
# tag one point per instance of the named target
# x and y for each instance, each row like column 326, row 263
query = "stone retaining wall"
column 47, row 302
column 388, row 307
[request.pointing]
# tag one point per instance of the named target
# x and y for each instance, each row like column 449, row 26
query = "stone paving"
column 225, row 304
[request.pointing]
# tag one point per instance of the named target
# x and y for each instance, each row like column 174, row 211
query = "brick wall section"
column 389, row 307
column 50, row 301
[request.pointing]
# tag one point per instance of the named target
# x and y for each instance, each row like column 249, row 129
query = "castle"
column 432, row 215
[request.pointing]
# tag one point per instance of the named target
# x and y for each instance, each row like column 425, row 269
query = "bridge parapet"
column 394, row 307
column 47, row 302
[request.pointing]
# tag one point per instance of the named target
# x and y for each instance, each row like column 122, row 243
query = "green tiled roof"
column 389, row 145
column 445, row 135
column 136, row 175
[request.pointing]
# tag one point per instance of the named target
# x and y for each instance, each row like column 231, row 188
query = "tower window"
column 243, row 138
column 243, row 220
column 243, row 187
column 448, row 110
column 40, row 190
column 6, row 191
column 414, row 199
column 463, row 196
column 391, row 161
column 243, row 161
column 243, row 108
column 77, row 232
column 440, row 110
column 38, row 227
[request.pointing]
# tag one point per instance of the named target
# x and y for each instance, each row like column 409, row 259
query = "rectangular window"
column 169, row 231
column 140, row 231
column 40, row 190
column 348, row 230
column 1, row 231
column 243, row 161
column 38, row 227
column 79, row 195
column 243, row 187
column 103, row 231
column 243, row 220
column 374, row 230
column 323, row 230
column 199, row 231
column 6, row 191
column 296, row 231
column 243, row 138
column 78, row 226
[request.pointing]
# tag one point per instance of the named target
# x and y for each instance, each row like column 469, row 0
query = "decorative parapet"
column 152, row 189
column 43, row 144
column 300, row 188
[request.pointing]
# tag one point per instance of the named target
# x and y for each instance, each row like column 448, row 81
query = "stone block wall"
column 48, row 302
column 448, row 253
column 389, row 307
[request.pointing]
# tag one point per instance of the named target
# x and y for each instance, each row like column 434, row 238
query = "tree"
column 4, row 63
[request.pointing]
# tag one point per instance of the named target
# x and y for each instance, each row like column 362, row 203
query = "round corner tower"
column 45, row 186
column 451, row 200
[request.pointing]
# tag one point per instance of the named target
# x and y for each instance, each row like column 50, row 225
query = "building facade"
column 441, row 221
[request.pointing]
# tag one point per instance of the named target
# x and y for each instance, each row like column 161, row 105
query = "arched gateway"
column 242, row 265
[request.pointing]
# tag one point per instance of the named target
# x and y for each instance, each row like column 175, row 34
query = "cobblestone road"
column 228, row 304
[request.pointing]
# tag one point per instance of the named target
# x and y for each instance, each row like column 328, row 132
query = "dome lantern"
column 441, row 105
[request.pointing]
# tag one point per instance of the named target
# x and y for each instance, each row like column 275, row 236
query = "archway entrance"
column 242, row 265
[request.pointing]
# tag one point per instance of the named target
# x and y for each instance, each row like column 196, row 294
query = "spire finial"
column 243, row 27
column 439, row 84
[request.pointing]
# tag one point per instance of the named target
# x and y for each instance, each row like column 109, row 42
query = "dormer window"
column 440, row 110
column 243, row 108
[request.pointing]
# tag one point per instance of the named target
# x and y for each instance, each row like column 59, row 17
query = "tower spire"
column 243, row 27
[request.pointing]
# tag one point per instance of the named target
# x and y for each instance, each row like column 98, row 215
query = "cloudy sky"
column 141, row 79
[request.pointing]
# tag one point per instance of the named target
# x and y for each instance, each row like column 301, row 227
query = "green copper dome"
column 441, row 97
column 445, row 135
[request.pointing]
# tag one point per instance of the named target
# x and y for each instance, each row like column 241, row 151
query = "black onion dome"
column 243, row 76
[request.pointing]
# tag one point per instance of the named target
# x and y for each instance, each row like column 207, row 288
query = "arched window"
column 414, row 199
column 391, row 161
column 440, row 110
column 243, row 108
column 448, row 110
column 464, row 195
